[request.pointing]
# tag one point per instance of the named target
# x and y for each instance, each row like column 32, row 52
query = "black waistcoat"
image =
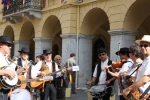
column 108, row 76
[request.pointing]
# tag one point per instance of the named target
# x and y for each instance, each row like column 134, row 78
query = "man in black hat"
column 102, row 77
column 5, row 48
column 124, row 55
column 24, row 62
column 49, row 88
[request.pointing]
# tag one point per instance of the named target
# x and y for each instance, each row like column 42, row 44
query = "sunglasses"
column 101, row 54
column 7, row 44
column 144, row 45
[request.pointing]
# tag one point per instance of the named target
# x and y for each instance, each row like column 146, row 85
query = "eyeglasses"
column 101, row 54
column 58, row 59
column 144, row 45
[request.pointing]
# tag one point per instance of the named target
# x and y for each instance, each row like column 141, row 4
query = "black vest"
column 19, row 62
column 108, row 76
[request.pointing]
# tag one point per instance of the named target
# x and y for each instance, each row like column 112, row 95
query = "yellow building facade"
column 80, row 27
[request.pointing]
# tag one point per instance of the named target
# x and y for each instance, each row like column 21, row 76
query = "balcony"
column 22, row 8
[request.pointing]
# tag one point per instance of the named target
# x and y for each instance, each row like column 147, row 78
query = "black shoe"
column 73, row 92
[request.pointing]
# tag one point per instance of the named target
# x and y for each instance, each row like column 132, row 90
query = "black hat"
column 101, row 50
column 5, row 39
column 24, row 50
column 48, row 51
column 123, row 50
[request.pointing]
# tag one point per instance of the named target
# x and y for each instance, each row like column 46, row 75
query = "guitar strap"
column 138, row 66
column 145, row 92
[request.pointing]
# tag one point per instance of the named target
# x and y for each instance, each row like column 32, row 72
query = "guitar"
column 22, row 81
column 39, row 84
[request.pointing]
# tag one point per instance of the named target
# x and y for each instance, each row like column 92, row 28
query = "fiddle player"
column 5, row 47
column 102, row 77
column 49, row 88
column 143, row 74
column 124, row 55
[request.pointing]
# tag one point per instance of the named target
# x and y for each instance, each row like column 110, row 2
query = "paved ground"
column 80, row 95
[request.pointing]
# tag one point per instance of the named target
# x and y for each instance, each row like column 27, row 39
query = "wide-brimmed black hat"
column 5, row 39
column 24, row 50
column 101, row 50
column 48, row 51
column 123, row 50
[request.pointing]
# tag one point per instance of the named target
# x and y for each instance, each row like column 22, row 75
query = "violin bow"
column 118, row 51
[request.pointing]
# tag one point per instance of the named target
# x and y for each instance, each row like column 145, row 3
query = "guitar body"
column 39, row 84
column 22, row 85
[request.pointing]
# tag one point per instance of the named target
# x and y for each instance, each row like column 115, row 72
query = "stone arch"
column 8, row 31
column 96, row 23
column 136, row 15
column 138, row 18
column 93, row 20
column 51, row 27
column 27, row 31
column 26, row 37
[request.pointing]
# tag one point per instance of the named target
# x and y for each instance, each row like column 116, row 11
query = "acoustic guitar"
column 39, row 84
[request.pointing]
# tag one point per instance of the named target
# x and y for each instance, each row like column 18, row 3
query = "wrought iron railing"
column 17, row 5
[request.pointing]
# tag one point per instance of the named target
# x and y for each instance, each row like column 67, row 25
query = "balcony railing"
column 19, row 8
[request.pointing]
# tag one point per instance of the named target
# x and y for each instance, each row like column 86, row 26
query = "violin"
column 115, row 65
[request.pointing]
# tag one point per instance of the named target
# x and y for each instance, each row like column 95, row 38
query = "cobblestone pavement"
column 80, row 95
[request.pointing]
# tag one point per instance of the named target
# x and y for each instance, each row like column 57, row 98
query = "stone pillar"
column 18, row 44
column 83, row 55
column 42, row 44
column 125, row 38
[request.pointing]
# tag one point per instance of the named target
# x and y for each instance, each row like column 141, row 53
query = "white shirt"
column 24, row 63
column 35, row 69
column 126, row 66
column 102, row 78
column 3, row 61
column 144, row 70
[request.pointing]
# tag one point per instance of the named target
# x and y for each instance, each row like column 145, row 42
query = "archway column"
column 124, row 37
column 18, row 44
column 83, row 55
column 42, row 44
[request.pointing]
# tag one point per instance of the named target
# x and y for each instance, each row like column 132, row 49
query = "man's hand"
column 63, row 71
column 107, row 82
column 126, row 91
column 9, row 73
column 89, row 82
column 42, row 73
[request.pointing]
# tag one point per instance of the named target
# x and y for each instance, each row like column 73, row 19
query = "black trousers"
column 107, row 95
column 50, row 92
column 121, row 97
column 3, row 94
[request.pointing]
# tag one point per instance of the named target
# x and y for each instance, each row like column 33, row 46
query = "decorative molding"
column 122, row 32
column 76, row 36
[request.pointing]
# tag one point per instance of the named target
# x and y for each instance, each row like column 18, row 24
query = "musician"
column 124, row 55
column 101, row 77
column 24, row 62
column 143, row 74
column 49, row 89
column 5, row 49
